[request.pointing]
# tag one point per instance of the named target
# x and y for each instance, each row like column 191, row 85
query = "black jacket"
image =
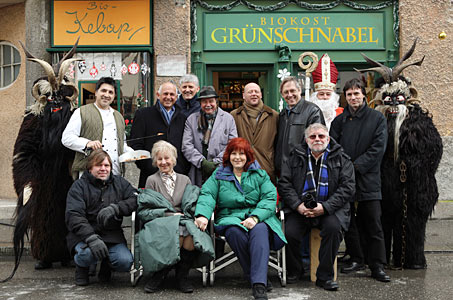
column 364, row 138
column 341, row 182
column 290, row 132
column 149, row 121
column 86, row 197
column 188, row 107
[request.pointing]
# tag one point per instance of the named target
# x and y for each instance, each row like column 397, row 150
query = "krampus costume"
column 414, row 150
column 41, row 167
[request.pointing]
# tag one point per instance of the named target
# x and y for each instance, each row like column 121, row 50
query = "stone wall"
column 12, row 99
column 433, row 79
column 171, row 35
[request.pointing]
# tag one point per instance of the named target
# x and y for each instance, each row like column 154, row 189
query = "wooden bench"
column 315, row 243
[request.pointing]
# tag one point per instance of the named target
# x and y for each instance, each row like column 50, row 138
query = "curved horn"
column 64, row 68
column 68, row 55
column 47, row 67
column 397, row 70
column 408, row 54
column 384, row 72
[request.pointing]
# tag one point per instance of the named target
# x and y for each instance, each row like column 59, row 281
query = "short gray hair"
column 290, row 79
column 315, row 126
column 189, row 78
column 170, row 82
column 164, row 147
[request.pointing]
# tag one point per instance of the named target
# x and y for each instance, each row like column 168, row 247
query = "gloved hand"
column 207, row 167
column 107, row 213
column 97, row 246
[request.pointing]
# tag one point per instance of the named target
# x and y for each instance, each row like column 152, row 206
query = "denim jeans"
column 119, row 255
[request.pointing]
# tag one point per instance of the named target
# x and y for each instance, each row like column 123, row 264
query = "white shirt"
column 71, row 136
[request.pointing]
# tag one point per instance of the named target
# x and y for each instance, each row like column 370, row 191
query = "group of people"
column 324, row 162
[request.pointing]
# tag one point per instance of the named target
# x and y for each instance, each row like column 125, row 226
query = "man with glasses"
column 316, row 184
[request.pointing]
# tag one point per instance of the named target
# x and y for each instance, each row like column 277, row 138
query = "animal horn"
column 64, row 67
column 47, row 67
column 384, row 73
column 397, row 70
column 68, row 55
column 408, row 54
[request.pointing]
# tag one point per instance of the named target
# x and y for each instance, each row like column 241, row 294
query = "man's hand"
column 94, row 145
column 97, row 247
column 315, row 212
column 107, row 213
column 201, row 222
column 302, row 209
column 249, row 223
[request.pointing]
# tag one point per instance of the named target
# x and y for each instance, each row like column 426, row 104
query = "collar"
column 100, row 109
column 162, row 108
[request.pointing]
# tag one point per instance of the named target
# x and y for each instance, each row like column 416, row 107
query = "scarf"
column 321, row 191
column 169, row 182
column 205, row 123
column 253, row 113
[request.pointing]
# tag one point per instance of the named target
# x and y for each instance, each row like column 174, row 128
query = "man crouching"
column 316, row 185
column 95, row 207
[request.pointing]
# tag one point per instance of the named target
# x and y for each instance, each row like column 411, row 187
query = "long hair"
column 239, row 144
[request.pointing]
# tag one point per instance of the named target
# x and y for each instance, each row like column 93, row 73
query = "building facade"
column 227, row 44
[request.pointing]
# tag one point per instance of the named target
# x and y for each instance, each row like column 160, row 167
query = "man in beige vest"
column 96, row 126
column 257, row 123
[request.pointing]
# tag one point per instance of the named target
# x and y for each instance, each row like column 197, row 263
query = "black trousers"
column 365, row 237
column 297, row 226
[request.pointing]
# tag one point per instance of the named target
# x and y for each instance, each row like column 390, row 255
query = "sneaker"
column 105, row 271
column 81, row 276
column 259, row 291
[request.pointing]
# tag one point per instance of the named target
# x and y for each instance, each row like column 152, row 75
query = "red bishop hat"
column 326, row 74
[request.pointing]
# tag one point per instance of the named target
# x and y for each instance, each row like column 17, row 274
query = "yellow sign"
column 99, row 23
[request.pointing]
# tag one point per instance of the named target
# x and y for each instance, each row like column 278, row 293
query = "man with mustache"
column 187, row 101
column 206, row 135
column 257, row 123
column 96, row 126
column 324, row 174
column 362, row 132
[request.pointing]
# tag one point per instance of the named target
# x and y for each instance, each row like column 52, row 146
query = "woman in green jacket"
column 246, row 200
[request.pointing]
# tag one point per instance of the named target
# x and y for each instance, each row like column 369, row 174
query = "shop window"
column 9, row 64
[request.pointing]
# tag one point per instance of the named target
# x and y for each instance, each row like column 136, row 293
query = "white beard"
column 327, row 107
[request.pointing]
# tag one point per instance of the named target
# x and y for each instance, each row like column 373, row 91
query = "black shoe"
column 81, row 276
column 353, row 267
column 184, row 285
column 269, row 286
column 42, row 265
column 345, row 259
column 415, row 267
column 259, row 291
column 105, row 271
column 328, row 285
column 155, row 282
column 380, row 275
column 92, row 270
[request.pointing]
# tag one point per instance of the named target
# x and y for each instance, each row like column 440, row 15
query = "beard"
column 327, row 107
column 398, row 119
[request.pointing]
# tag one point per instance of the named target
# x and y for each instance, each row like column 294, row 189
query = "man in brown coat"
column 257, row 123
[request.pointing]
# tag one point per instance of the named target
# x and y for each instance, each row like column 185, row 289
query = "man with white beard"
column 325, row 79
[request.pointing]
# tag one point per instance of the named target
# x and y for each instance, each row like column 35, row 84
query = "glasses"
column 313, row 136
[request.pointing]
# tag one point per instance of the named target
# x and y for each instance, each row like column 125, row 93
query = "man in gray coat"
column 206, row 135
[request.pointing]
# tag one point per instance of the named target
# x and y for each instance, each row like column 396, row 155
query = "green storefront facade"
column 235, row 42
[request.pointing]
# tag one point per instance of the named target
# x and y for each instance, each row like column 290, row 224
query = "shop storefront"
column 235, row 42
column 115, row 39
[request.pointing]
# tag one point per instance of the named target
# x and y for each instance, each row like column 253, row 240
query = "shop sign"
column 300, row 31
column 101, row 23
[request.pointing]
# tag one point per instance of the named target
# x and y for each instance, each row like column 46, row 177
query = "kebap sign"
column 300, row 31
column 101, row 23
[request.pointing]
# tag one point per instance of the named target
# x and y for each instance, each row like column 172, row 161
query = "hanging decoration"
column 145, row 69
column 299, row 3
column 123, row 69
column 82, row 65
column 103, row 67
column 94, row 71
column 133, row 68
column 113, row 69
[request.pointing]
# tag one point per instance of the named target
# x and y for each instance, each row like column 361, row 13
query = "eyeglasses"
column 313, row 136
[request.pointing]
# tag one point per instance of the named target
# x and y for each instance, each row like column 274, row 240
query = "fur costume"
column 414, row 150
column 41, row 166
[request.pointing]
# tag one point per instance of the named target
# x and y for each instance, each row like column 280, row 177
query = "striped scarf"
column 205, row 123
column 322, row 190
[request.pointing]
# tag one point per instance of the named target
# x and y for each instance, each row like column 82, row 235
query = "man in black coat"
column 95, row 206
column 362, row 132
column 163, row 121
column 293, row 120
column 324, row 174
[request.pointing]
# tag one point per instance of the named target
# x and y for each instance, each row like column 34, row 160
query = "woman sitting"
column 166, row 207
column 246, row 200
